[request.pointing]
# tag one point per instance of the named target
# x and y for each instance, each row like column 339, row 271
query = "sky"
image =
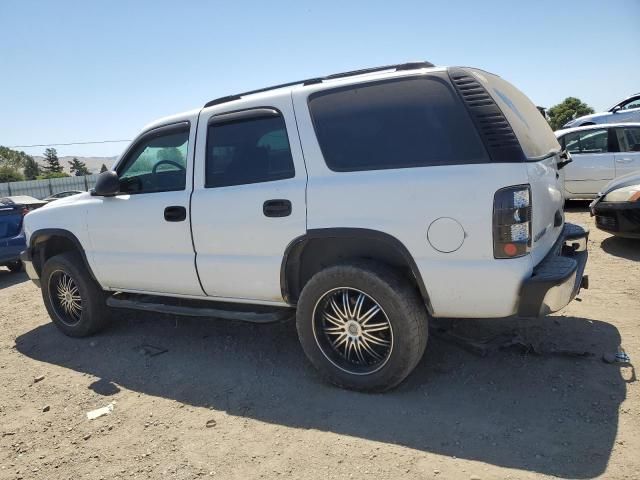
column 73, row 71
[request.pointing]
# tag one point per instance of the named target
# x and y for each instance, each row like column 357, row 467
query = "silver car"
column 627, row 110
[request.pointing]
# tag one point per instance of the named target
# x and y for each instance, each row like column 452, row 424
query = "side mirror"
column 107, row 184
column 616, row 109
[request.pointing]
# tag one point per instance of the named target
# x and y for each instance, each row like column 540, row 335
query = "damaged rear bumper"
column 558, row 278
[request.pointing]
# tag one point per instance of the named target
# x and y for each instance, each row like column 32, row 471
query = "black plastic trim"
column 314, row 80
column 493, row 127
column 561, row 266
column 199, row 308
column 44, row 234
column 240, row 115
column 291, row 260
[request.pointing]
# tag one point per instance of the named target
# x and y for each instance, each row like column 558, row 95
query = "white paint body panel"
column 133, row 247
column 589, row 172
column 404, row 202
column 238, row 251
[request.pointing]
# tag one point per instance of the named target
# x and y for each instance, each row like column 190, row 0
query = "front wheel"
column 75, row 302
column 362, row 326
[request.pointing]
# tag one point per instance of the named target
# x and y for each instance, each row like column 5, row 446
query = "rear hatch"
column 542, row 153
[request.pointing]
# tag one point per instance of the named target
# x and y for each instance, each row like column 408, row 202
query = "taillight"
column 512, row 222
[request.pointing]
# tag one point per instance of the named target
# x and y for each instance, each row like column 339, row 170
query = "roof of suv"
column 367, row 72
column 315, row 80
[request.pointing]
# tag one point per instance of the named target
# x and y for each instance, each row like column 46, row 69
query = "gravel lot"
column 238, row 401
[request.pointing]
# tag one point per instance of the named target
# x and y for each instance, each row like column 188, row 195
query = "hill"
column 93, row 163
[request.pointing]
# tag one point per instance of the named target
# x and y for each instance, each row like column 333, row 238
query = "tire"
column 15, row 267
column 400, row 346
column 67, row 273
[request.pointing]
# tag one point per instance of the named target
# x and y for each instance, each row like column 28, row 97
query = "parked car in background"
column 30, row 203
column 617, row 207
column 12, row 238
column 600, row 153
column 628, row 110
column 59, row 195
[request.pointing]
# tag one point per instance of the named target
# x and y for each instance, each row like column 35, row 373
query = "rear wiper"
column 564, row 154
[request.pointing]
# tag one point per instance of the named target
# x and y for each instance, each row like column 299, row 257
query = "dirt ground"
column 238, row 401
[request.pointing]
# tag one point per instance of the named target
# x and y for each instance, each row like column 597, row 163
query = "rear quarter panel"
column 468, row 282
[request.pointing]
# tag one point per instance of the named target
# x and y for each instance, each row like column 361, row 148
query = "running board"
column 200, row 308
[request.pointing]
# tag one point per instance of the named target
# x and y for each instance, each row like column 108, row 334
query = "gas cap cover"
column 445, row 234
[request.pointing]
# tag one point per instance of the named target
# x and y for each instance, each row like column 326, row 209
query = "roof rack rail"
column 312, row 81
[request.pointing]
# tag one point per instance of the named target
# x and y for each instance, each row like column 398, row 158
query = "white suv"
column 368, row 201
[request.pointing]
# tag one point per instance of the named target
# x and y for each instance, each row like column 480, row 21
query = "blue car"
column 12, row 239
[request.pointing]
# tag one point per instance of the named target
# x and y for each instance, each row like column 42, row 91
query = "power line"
column 64, row 144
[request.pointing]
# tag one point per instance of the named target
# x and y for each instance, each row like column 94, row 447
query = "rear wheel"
column 16, row 266
column 362, row 326
column 75, row 302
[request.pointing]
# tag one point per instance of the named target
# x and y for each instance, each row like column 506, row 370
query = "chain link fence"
column 43, row 188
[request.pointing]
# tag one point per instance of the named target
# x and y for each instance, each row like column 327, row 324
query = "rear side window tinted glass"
column 588, row 141
column 400, row 123
column 248, row 151
column 629, row 139
column 534, row 133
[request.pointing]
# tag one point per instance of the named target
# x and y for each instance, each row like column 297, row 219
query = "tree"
column 80, row 168
column 103, row 168
column 52, row 162
column 12, row 158
column 570, row 108
column 46, row 175
column 10, row 174
column 31, row 169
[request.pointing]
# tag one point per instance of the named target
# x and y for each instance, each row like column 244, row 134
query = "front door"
column 593, row 162
column 248, row 201
column 628, row 157
column 140, row 239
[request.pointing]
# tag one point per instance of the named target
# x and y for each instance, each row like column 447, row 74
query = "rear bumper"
column 10, row 248
column 9, row 254
column 558, row 278
column 618, row 218
column 25, row 256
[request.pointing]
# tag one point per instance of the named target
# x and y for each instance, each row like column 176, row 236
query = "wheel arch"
column 321, row 248
column 47, row 242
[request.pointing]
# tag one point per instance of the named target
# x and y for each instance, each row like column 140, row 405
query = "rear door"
column 248, row 201
column 627, row 159
column 593, row 161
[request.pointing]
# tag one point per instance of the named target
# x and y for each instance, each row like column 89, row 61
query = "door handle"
column 175, row 213
column 624, row 160
column 276, row 208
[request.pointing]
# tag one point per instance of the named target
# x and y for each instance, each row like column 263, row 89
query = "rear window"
column 399, row 123
column 534, row 133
